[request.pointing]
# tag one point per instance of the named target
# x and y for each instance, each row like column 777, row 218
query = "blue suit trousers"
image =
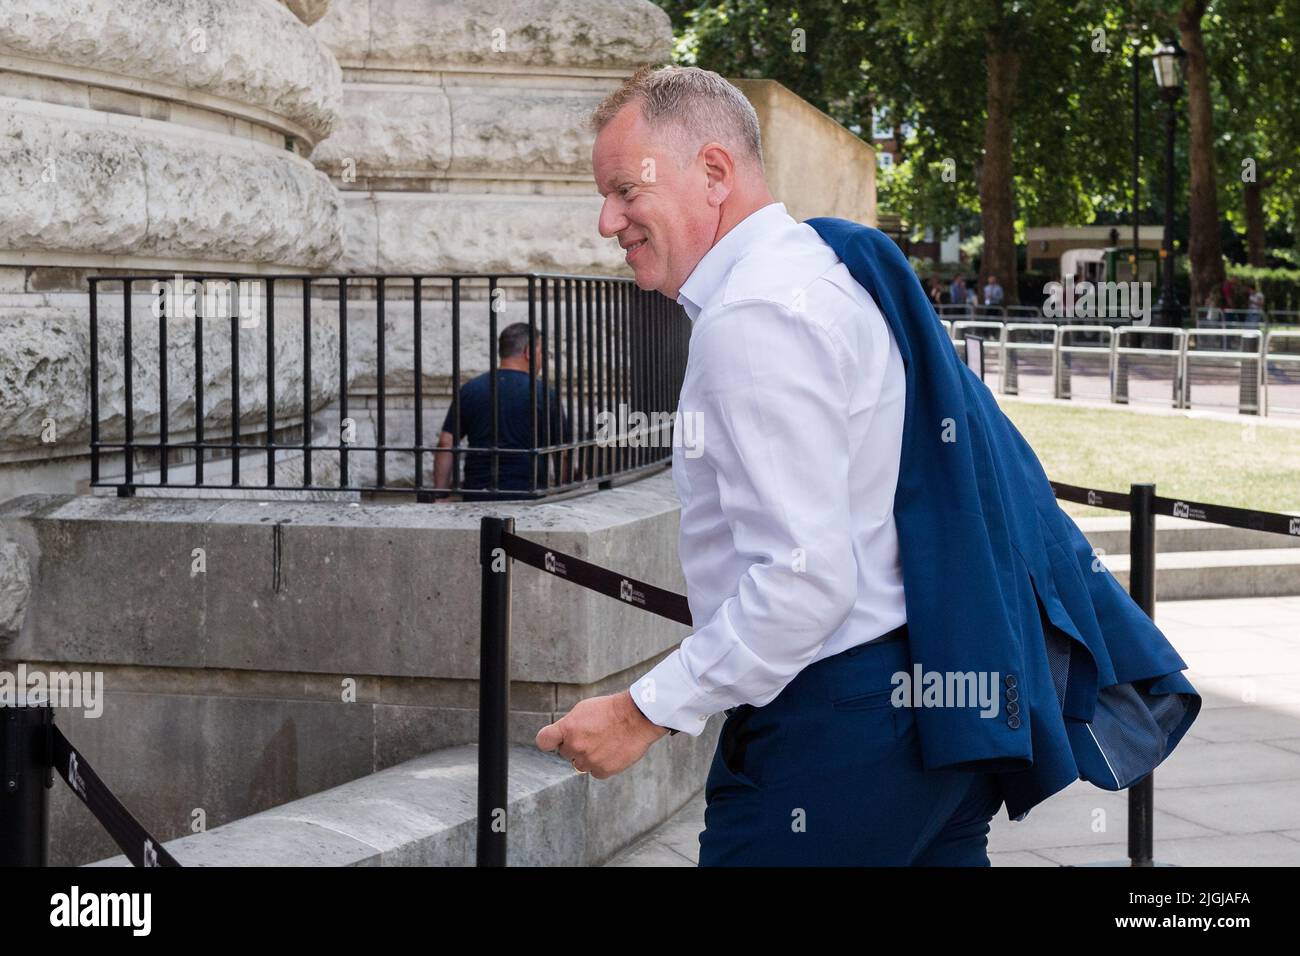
column 829, row 773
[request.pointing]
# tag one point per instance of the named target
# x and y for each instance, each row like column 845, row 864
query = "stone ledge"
column 420, row 813
column 130, row 187
column 427, row 232
column 407, row 133
column 1189, row 575
column 424, row 813
column 582, row 35
column 100, row 96
column 384, row 590
column 187, row 45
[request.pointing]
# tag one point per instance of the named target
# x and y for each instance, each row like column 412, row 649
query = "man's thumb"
column 549, row 737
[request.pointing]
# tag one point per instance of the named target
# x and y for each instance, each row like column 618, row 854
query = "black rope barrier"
column 32, row 748
column 595, row 578
column 1271, row 522
column 132, row 838
column 1266, row 521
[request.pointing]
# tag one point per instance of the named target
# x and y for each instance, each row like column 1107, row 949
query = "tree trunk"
column 996, row 208
column 1254, row 198
column 1204, row 252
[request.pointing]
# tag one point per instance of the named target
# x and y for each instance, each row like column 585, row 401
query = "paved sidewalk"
column 1229, row 795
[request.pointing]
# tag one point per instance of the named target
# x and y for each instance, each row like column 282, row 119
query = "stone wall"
column 462, row 144
column 142, row 136
column 462, row 147
column 813, row 164
column 231, row 676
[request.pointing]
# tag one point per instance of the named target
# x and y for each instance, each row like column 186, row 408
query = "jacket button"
column 1010, row 680
column 1013, row 708
column 1013, row 722
column 1013, row 694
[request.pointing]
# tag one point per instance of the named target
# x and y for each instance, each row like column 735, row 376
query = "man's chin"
column 644, row 282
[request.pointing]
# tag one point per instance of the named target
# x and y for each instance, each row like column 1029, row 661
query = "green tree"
column 1251, row 47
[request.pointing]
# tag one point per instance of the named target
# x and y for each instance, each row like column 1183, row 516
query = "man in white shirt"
column 993, row 292
column 787, row 538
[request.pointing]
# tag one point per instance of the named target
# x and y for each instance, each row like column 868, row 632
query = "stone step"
column 1188, row 575
column 419, row 813
column 1110, row 535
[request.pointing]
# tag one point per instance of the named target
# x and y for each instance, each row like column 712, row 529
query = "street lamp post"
column 1168, row 61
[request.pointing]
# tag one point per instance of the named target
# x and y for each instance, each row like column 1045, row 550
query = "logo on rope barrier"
column 554, row 564
column 1294, row 526
column 1094, row 497
column 74, row 776
column 630, row 594
column 1183, row 510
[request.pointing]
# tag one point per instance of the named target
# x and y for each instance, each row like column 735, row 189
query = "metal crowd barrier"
column 1255, row 355
column 1268, row 356
column 1009, row 382
column 1248, row 401
column 499, row 545
column 1119, row 377
column 1060, row 361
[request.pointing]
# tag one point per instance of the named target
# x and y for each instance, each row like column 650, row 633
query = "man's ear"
column 720, row 171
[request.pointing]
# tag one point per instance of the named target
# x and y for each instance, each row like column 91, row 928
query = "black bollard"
column 1142, row 588
column 26, row 774
column 494, row 692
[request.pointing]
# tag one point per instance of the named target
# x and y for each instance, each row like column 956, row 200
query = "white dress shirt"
column 795, row 385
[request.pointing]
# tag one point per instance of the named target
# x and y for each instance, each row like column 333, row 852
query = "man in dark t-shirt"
column 514, row 422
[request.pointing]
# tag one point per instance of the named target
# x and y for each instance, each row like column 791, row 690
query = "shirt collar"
column 713, row 268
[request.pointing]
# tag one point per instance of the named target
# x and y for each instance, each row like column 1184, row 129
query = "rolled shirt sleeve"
column 774, row 401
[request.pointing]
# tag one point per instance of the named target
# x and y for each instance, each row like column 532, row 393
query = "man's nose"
column 612, row 220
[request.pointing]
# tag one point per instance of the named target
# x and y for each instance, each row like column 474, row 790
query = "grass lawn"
column 1216, row 462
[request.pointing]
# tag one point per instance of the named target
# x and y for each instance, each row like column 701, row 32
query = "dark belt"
column 897, row 634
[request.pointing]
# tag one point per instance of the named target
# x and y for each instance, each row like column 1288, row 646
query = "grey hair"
column 702, row 106
column 514, row 339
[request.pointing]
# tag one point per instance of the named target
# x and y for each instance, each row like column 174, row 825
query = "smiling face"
column 664, row 217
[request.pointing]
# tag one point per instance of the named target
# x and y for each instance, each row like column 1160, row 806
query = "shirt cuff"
column 668, row 697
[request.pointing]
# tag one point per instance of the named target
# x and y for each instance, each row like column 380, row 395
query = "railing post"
column 1119, row 373
column 1061, row 362
column 1248, row 374
column 494, row 691
column 1142, row 588
column 1010, row 371
column 26, row 735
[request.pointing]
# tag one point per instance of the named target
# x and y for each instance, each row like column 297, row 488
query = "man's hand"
column 601, row 735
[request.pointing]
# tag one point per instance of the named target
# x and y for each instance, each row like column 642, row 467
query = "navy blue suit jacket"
column 999, row 579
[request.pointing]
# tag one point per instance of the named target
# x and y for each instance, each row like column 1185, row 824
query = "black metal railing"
column 302, row 355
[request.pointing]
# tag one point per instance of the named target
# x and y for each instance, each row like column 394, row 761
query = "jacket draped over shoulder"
column 999, row 580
